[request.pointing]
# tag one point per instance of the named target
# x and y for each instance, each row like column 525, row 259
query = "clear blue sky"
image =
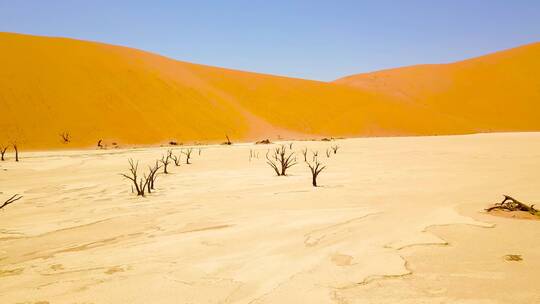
column 312, row 39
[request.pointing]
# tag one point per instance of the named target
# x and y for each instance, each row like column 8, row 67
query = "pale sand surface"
column 225, row 230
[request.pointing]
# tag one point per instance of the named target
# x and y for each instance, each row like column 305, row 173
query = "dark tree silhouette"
column 66, row 138
column 228, row 142
column 11, row 200
column 315, row 155
column 187, row 153
column 152, row 175
column 139, row 184
column 16, row 152
column 280, row 161
column 328, row 152
column 99, row 144
column 176, row 159
column 335, row 148
column 165, row 160
column 304, row 153
column 316, row 167
column 3, row 150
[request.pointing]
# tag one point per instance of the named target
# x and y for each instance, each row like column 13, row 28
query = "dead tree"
column 65, row 137
column 165, row 160
column 11, row 200
column 3, row 150
column 228, row 142
column 511, row 204
column 16, row 152
column 187, row 153
column 335, row 148
column 176, row 159
column 304, row 153
column 199, row 151
column 290, row 145
column 328, row 152
column 139, row 184
column 152, row 175
column 315, row 155
column 280, row 161
column 99, row 144
column 316, row 167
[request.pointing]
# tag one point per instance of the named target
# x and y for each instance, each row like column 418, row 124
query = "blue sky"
column 320, row 40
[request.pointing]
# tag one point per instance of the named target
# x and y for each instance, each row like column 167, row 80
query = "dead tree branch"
column 152, row 175
column 66, row 138
column 304, row 153
column 165, row 160
column 187, row 153
column 280, row 161
column 316, row 168
column 315, row 155
column 3, row 150
column 11, row 200
column 176, row 159
column 228, row 142
column 16, row 152
column 511, row 204
column 139, row 183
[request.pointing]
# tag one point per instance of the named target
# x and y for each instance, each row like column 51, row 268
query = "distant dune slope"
column 496, row 92
column 98, row 91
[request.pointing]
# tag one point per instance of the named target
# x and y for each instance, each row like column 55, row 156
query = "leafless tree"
column 152, row 175
column 16, row 152
column 304, row 153
column 2, row 152
column 328, row 152
column 99, row 144
column 187, row 153
column 165, row 160
column 315, row 155
column 176, row 159
column 335, row 148
column 228, row 142
column 139, row 184
column 280, row 161
column 11, row 200
column 316, row 167
column 66, row 138
column 200, row 150
column 290, row 145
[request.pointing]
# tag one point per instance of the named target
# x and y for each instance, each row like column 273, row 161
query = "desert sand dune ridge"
column 94, row 91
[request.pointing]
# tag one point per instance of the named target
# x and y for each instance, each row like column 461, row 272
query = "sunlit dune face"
column 96, row 91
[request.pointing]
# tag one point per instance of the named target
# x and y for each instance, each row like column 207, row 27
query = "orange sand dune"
column 98, row 91
column 496, row 92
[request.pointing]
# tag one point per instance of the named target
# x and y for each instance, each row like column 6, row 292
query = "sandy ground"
column 397, row 220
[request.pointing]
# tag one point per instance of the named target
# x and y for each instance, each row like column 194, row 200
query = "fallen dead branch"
column 511, row 204
column 11, row 200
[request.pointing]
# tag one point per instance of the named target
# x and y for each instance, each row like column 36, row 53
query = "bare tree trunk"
column 11, row 200
column 2, row 152
column 316, row 168
column 16, row 152
column 188, row 155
